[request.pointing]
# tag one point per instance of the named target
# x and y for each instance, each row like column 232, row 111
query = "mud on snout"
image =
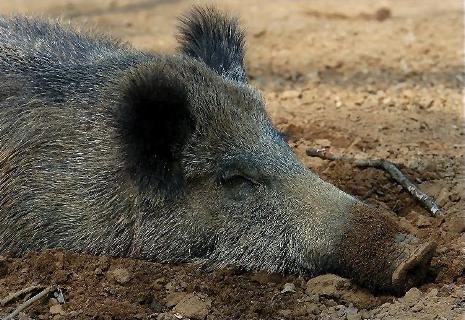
column 379, row 254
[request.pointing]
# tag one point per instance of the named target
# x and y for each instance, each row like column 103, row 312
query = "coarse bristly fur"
column 109, row 150
column 216, row 39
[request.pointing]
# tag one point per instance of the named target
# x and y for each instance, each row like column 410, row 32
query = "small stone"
column 170, row 287
column 327, row 285
column 352, row 314
column 382, row 14
column 412, row 296
column 57, row 309
column 417, row 307
column 193, row 307
column 288, row 287
column 259, row 33
column 423, row 221
column 120, row 275
column 98, row 271
column 291, row 94
column 109, row 291
column 166, row 316
column 174, row 298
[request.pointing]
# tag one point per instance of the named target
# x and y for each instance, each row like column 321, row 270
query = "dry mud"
column 368, row 79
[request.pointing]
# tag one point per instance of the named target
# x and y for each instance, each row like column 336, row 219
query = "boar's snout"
column 380, row 255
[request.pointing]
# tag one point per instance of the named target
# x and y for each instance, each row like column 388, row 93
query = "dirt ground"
column 366, row 78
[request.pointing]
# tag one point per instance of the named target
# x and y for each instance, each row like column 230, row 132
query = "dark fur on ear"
column 156, row 123
column 216, row 39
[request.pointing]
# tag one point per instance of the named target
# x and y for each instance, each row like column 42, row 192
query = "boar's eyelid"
column 236, row 179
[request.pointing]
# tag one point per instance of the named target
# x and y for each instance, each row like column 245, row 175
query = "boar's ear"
column 216, row 39
column 156, row 123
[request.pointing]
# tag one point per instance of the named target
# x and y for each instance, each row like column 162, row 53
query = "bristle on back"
column 215, row 38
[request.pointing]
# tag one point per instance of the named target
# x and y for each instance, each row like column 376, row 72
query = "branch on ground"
column 15, row 295
column 427, row 201
column 26, row 304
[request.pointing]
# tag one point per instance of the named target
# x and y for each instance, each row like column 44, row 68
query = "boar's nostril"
column 414, row 269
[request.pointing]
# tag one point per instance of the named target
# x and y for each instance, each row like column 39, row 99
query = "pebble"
column 259, row 33
column 166, row 316
column 423, row 221
column 288, row 287
column 98, row 271
column 109, row 291
column 57, row 309
column 193, row 306
column 330, row 287
column 382, row 14
column 353, row 315
column 120, row 275
column 412, row 296
column 417, row 307
column 291, row 94
column 326, row 285
column 174, row 298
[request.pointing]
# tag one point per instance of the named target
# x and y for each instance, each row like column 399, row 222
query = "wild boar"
column 171, row 157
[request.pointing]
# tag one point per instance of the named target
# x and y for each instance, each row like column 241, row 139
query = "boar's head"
column 218, row 183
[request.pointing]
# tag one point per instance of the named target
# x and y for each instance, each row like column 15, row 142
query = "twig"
column 427, row 201
column 17, row 294
column 324, row 154
column 30, row 301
